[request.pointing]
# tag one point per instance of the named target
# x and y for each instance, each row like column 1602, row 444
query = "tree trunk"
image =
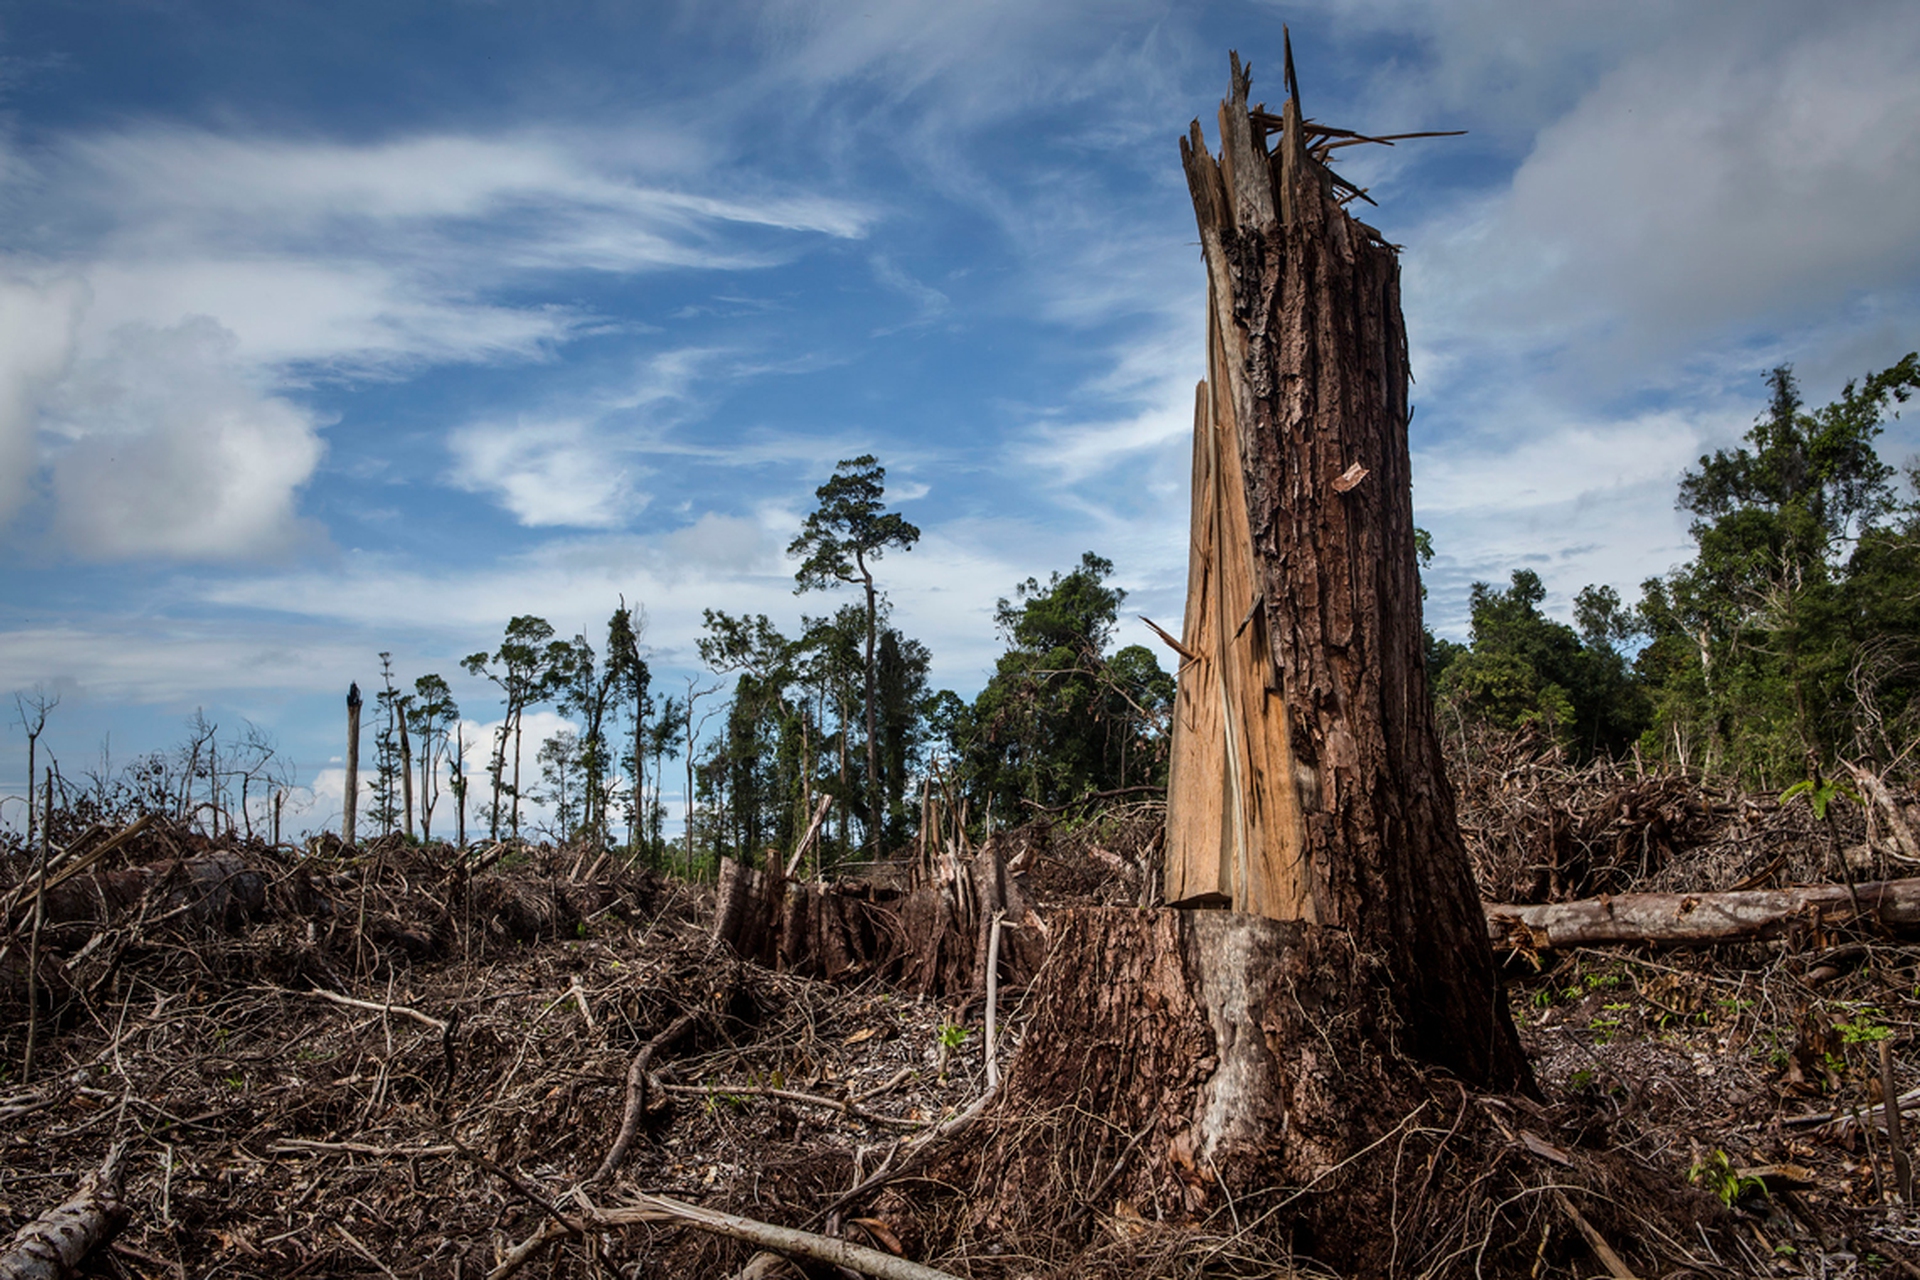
column 1307, row 777
column 1261, row 1059
column 406, row 774
column 874, row 808
column 350, row 798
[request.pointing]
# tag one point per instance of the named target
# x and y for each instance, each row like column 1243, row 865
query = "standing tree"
column 560, row 761
column 519, row 669
column 1756, row 641
column 432, row 713
column 582, row 686
column 841, row 539
column 1062, row 718
column 389, row 762
column 693, row 728
column 631, row 676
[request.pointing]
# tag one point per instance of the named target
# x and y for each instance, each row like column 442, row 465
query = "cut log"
column 1693, row 919
column 52, row 1246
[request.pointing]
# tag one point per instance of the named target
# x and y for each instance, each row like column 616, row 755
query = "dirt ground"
column 383, row 1064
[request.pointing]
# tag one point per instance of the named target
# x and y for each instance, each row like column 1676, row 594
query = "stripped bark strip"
column 53, row 1245
column 637, row 1095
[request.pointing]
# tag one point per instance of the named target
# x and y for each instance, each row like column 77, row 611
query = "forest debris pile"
column 499, row 1012
column 1543, row 829
column 303, row 1098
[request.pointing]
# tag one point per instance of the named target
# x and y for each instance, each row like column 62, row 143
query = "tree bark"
column 1308, row 783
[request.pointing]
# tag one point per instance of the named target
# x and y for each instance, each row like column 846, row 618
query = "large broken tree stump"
column 1192, row 1075
column 1307, row 782
column 1331, row 984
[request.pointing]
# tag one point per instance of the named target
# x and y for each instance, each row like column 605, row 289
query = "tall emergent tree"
column 844, row 535
column 433, row 713
column 520, row 670
column 631, row 676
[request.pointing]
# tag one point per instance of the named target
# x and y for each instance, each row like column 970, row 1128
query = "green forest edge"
column 1789, row 642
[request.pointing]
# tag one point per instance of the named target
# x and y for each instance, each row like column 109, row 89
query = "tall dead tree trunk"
column 350, row 797
column 1307, row 778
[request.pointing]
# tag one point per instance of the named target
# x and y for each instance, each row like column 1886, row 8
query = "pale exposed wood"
column 53, row 1245
column 800, row 1244
column 374, row 1006
column 1877, row 793
column 813, row 830
column 1616, row 1267
column 1684, row 919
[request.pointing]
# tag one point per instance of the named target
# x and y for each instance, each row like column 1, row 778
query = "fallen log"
column 53, row 1245
column 1693, row 919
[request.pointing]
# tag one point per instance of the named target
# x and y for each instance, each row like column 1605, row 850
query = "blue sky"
column 336, row 328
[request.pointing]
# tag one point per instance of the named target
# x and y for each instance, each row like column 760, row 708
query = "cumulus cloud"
column 36, row 343
column 169, row 449
column 546, row 473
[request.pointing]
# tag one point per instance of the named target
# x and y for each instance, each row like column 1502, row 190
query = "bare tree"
column 693, row 731
column 31, row 709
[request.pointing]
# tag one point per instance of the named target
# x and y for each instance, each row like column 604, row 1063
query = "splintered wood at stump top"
column 1307, row 781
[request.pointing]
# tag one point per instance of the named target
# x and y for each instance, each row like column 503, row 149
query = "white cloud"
column 169, row 450
column 1732, row 177
column 546, row 473
column 36, row 343
column 721, row 544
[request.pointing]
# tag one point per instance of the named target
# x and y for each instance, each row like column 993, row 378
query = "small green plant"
column 236, row 1082
column 953, row 1036
column 1543, row 998
column 1581, row 1078
column 1717, row 1174
column 1864, row 1029
column 1819, row 793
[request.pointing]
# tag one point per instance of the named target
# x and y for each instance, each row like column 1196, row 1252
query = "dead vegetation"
column 397, row 1061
